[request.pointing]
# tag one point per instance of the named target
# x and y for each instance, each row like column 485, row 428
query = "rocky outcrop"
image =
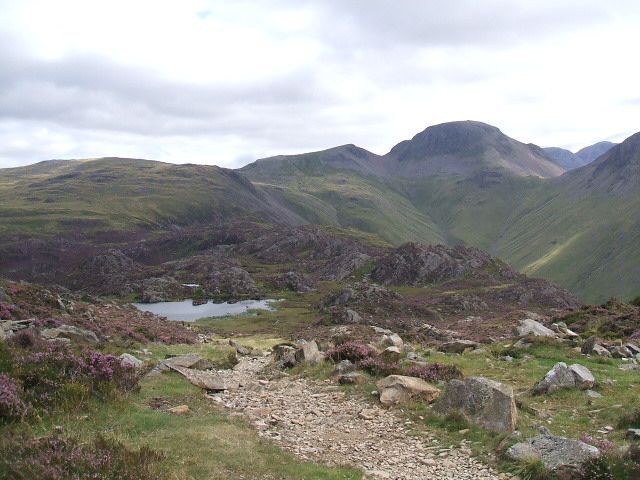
column 76, row 334
column 533, row 328
column 399, row 389
column 562, row 456
column 159, row 289
column 414, row 264
column 481, row 401
column 563, row 376
column 294, row 281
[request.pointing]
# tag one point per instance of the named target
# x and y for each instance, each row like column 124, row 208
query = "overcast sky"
column 226, row 82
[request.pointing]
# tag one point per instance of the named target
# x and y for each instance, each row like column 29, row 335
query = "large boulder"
column 529, row 327
column 77, row 334
column 390, row 355
column 309, row 353
column 398, row 389
column 560, row 455
column 563, row 376
column 481, row 401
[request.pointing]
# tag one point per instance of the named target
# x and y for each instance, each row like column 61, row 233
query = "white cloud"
column 226, row 82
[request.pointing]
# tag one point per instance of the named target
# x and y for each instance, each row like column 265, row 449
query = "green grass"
column 205, row 443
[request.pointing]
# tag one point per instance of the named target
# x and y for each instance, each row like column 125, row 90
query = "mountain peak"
column 463, row 147
column 615, row 172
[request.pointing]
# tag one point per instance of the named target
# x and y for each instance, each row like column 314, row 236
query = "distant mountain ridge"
column 569, row 160
column 453, row 148
column 457, row 183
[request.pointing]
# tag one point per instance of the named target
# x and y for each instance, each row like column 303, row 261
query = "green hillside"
column 581, row 229
column 113, row 193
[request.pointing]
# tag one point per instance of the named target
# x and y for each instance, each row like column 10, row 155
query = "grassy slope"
column 205, row 443
column 591, row 245
column 120, row 194
column 346, row 199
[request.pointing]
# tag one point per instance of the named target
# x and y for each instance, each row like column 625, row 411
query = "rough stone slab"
column 481, row 401
column 206, row 380
column 397, row 389
column 557, row 453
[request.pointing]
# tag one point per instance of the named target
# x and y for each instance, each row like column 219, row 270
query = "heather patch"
column 352, row 351
column 41, row 376
column 59, row 458
column 434, row 372
column 377, row 367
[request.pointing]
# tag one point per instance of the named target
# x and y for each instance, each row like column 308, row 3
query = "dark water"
column 185, row 311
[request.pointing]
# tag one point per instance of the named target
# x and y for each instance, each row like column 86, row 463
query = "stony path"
column 317, row 421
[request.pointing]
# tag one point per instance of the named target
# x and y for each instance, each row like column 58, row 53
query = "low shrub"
column 60, row 458
column 609, row 466
column 601, row 444
column 377, row 367
column 631, row 419
column 532, row 468
column 434, row 372
column 636, row 301
column 12, row 407
column 40, row 376
column 353, row 351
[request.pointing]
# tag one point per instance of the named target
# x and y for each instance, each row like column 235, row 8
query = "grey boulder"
column 481, row 401
column 529, row 327
column 309, row 353
column 558, row 454
column 563, row 376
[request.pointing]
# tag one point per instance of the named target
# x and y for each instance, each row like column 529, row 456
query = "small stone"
column 179, row 410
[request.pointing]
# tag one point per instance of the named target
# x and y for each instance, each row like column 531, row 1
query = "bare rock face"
column 560, row 455
column 294, row 281
column 398, row 389
column 107, row 273
column 159, row 289
column 563, row 376
column 530, row 327
column 413, row 264
column 233, row 281
column 481, row 401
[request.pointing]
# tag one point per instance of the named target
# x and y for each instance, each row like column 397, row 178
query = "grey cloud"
column 456, row 22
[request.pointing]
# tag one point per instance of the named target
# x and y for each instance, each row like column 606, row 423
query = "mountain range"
column 570, row 160
column 454, row 183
